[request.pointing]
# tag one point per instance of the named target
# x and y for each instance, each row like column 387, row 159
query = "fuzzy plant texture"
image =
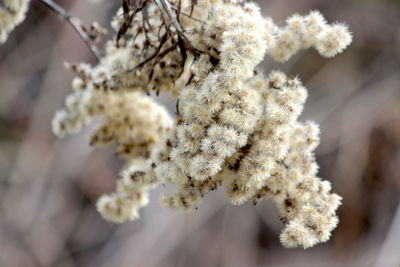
column 234, row 126
column 12, row 13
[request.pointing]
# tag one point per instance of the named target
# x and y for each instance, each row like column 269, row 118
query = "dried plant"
column 12, row 13
column 233, row 125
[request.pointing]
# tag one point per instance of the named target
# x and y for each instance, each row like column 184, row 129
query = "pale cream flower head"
column 11, row 15
column 234, row 126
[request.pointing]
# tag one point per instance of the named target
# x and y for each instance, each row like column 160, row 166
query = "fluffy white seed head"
column 233, row 125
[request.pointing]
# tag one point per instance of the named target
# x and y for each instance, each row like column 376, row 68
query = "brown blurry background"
column 48, row 186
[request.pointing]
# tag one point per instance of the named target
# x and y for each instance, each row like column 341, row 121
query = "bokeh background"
column 48, row 186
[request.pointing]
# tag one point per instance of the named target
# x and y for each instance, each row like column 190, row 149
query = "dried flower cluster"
column 233, row 126
column 12, row 13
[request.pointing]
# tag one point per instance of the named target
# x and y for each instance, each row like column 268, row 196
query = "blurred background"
column 48, row 187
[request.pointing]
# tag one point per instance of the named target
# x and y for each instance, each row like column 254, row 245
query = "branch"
column 188, row 15
column 178, row 27
column 75, row 23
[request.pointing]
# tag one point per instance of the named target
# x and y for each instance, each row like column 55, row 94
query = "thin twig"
column 75, row 23
column 178, row 27
column 188, row 15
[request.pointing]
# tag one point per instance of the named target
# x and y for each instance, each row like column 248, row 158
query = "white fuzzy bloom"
column 284, row 99
column 131, row 194
column 11, row 15
column 305, row 202
column 117, row 209
column 234, row 126
column 223, row 103
column 302, row 32
column 133, row 121
column 137, row 125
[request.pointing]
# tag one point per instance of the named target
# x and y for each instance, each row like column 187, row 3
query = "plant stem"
column 178, row 27
column 75, row 23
